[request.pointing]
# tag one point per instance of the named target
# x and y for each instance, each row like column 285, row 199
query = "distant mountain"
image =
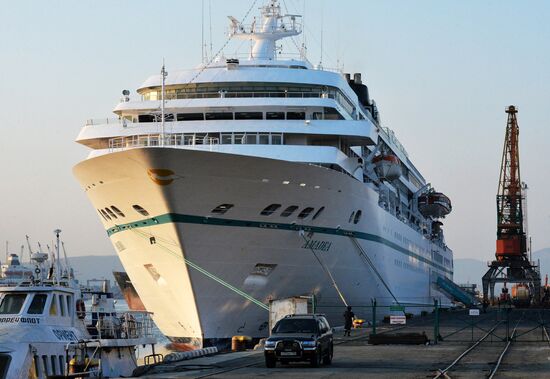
column 465, row 270
column 471, row 270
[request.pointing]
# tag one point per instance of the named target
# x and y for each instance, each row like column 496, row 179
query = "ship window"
column 250, row 139
column 101, row 214
column 37, row 304
column 45, row 363
column 249, row 116
column 227, row 138
column 146, row 118
column 239, row 138
column 275, row 115
column 69, row 305
column 305, row 212
column 62, row 305
column 270, row 209
column 317, row 116
column 190, row 116
column 105, row 215
column 140, row 210
column 318, row 212
column 276, row 139
column 357, row 217
column 5, row 360
column 12, row 303
column 61, row 364
column 263, row 139
column 110, row 213
column 222, row 208
column 53, row 360
column 332, row 114
column 351, row 216
column 219, row 116
column 288, row 211
column 53, row 306
column 117, row 211
column 296, row 115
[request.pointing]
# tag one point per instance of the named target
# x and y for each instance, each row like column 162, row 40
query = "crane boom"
column 511, row 239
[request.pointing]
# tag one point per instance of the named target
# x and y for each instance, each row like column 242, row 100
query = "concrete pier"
column 507, row 343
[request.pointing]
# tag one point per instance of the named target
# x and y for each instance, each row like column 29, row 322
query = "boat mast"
column 163, row 74
column 57, row 268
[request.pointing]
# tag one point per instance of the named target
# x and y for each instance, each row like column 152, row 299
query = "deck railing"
column 126, row 325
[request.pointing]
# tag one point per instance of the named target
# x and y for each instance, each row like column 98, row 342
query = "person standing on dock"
column 348, row 320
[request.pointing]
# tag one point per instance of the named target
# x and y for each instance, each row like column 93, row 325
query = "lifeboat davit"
column 387, row 167
column 434, row 204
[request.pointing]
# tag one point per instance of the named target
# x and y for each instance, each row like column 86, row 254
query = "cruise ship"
column 246, row 180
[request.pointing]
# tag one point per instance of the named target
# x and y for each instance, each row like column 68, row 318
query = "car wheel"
column 327, row 359
column 315, row 360
column 270, row 362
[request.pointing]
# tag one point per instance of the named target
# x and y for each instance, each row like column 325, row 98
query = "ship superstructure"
column 246, row 180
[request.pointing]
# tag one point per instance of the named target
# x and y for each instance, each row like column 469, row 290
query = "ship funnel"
column 357, row 78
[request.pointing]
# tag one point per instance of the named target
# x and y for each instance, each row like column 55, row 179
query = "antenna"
column 202, row 33
column 7, row 243
column 210, row 21
column 68, row 267
column 163, row 74
column 322, row 30
column 57, row 268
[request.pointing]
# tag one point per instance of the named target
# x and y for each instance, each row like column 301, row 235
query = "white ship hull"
column 198, row 271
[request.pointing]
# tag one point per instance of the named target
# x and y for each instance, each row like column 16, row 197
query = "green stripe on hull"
column 189, row 219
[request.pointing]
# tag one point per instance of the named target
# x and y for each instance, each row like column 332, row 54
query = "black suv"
column 300, row 338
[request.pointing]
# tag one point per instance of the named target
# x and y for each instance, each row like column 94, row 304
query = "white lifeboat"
column 434, row 204
column 387, row 167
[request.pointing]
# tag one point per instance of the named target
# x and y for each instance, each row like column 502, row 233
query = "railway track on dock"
column 458, row 362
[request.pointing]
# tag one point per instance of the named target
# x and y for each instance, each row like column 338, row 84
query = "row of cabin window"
column 270, row 209
column 247, row 90
column 12, row 304
column 223, row 116
column 113, row 212
column 50, row 365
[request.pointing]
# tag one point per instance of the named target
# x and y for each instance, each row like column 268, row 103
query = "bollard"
column 373, row 301
column 239, row 343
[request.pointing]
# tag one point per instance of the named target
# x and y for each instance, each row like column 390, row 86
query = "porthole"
column 288, row 211
column 222, row 208
column 305, row 212
column 101, row 214
column 357, row 217
column 105, row 214
column 351, row 216
column 110, row 212
column 270, row 209
column 140, row 210
column 117, row 211
column 318, row 212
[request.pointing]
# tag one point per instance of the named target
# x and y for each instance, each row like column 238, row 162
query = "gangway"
column 455, row 292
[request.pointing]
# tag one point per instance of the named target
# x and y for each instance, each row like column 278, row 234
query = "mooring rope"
column 204, row 272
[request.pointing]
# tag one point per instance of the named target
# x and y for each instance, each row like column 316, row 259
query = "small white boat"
column 45, row 330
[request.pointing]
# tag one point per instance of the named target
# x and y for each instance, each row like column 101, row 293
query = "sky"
column 441, row 71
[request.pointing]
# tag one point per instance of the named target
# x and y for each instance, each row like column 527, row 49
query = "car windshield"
column 296, row 326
